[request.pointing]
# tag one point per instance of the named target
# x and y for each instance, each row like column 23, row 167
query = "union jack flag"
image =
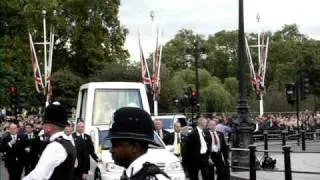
column 145, row 76
column 35, row 67
column 155, row 80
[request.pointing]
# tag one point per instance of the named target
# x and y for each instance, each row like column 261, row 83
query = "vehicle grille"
column 161, row 165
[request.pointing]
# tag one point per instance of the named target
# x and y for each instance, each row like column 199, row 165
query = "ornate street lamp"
column 243, row 126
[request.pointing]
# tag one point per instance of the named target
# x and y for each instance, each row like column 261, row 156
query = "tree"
column 88, row 34
column 222, row 50
column 65, row 87
column 91, row 29
column 217, row 99
column 174, row 51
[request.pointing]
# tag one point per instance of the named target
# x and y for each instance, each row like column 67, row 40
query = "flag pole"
column 154, row 81
column 45, row 50
column 260, row 66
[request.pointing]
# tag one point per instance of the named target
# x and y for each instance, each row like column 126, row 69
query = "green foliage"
column 231, row 85
column 88, row 36
column 289, row 52
column 114, row 71
column 213, row 95
column 66, row 86
column 215, row 98
column 89, row 47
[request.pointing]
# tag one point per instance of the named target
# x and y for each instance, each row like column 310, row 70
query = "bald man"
column 85, row 149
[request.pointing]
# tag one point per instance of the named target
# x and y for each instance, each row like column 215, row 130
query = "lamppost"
column 243, row 127
column 196, row 52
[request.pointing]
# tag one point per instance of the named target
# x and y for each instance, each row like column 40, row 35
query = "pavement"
column 308, row 160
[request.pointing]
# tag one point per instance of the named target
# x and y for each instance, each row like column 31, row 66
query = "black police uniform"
column 52, row 154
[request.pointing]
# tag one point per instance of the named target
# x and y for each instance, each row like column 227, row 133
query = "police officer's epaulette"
column 59, row 138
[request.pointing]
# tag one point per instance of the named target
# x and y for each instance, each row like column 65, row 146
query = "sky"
column 210, row 16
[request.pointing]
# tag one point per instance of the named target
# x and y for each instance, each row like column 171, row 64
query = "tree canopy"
column 89, row 44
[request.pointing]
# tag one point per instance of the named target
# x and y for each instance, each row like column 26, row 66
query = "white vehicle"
column 169, row 120
column 96, row 104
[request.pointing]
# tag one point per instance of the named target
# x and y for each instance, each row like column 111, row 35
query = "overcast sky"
column 210, row 16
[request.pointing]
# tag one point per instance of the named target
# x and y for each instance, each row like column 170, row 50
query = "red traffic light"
column 12, row 90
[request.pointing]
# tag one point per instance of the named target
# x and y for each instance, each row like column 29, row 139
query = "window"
column 107, row 101
column 83, row 108
column 167, row 123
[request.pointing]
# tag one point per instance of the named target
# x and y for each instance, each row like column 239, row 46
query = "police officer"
column 131, row 133
column 57, row 161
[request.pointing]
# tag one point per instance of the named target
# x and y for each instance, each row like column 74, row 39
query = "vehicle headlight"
column 175, row 166
column 112, row 167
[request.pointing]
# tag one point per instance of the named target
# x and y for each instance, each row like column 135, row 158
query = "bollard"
column 265, row 138
column 283, row 138
column 303, row 140
column 253, row 175
column 287, row 163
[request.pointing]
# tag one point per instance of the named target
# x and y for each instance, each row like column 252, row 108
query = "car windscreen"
column 107, row 101
column 106, row 144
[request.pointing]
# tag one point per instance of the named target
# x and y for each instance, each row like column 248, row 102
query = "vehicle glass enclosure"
column 168, row 123
column 83, row 107
column 106, row 144
column 107, row 101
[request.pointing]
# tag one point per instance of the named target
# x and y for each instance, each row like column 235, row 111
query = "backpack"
column 149, row 172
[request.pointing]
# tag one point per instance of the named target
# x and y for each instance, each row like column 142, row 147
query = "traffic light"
column 304, row 87
column 13, row 99
column 12, row 90
column 193, row 99
column 186, row 100
column 291, row 93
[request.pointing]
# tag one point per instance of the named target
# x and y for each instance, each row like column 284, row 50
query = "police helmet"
column 132, row 123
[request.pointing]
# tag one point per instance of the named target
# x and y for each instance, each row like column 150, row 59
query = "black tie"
column 178, row 140
column 124, row 176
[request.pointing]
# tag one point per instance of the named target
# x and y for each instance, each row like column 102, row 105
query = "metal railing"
column 286, row 150
column 286, row 137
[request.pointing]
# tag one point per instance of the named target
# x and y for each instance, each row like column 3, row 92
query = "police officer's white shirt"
column 203, row 143
column 137, row 165
column 52, row 156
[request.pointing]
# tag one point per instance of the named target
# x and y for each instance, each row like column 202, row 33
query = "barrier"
column 286, row 150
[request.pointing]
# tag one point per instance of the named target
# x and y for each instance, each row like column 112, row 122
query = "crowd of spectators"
column 308, row 120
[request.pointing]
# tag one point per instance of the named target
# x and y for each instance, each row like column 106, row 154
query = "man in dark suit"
column 32, row 147
column 219, row 152
column 163, row 134
column 13, row 147
column 176, row 139
column 197, row 151
column 84, row 146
